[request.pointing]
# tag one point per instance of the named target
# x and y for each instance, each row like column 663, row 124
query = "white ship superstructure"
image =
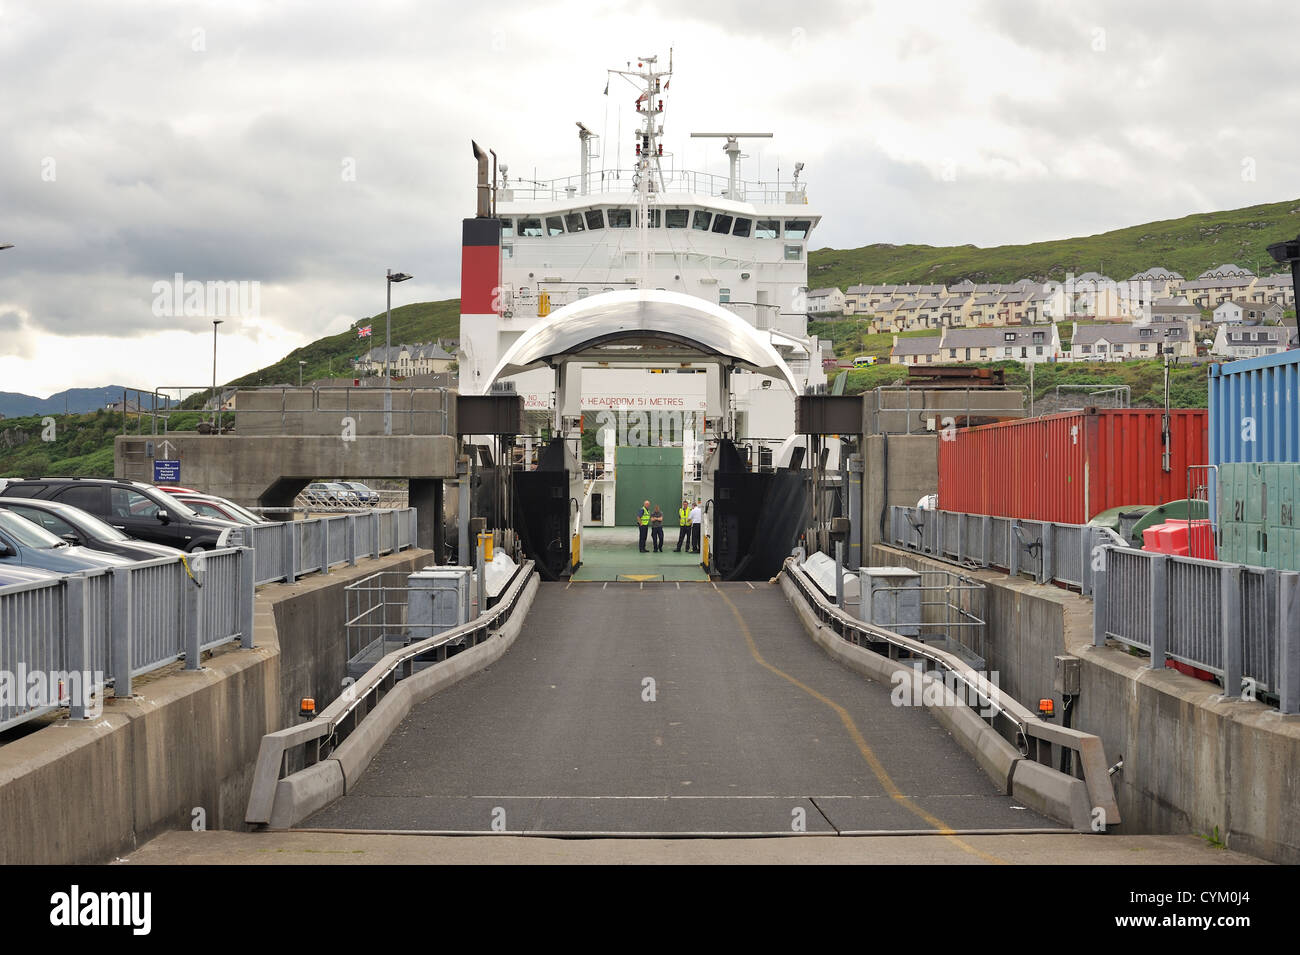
column 742, row 245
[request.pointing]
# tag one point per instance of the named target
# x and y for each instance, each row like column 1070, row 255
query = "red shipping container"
column 1069, row 467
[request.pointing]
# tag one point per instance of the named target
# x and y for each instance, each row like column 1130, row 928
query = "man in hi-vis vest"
column 643, row 525
column 684, row 520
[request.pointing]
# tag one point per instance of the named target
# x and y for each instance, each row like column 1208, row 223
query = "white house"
column 1250, row 341
column 1120, row 341
column 825, row 301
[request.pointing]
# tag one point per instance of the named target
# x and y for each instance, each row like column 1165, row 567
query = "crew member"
column 643, row 525
column 657, row 529
column 696, row 515
column 684, row 521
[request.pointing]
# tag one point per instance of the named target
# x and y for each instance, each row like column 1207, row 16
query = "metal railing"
column 288, row 550
column 1059, row 553
column 620, row 182
column 316, row 739
column 1033, row 737
column 88, row 631
column 1238, row 622
column 255, row 406
column 925, row 409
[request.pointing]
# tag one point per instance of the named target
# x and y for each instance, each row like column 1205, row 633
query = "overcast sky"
column 308, row 146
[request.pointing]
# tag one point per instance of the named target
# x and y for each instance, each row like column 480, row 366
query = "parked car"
column 330, row 494
column 209, row 505
column 137, row 510
column 30, row 545
column 75, row 526
column 364, row 494
column 11, row 574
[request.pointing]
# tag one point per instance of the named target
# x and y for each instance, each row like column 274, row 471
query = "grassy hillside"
column 1188, row 383
column 1189, row 246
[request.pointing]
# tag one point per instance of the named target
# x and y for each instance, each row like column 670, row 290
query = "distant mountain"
column 73, row 401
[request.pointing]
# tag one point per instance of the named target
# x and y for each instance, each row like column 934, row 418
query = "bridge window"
column 620, row 218
column 573, row 221
column 793, row 253
column 768, row 229
column 797, row 228
column 742, row 227
column 530, row 227
column 554, row 225
column 676, row 218
column 595, row 219
column 507, row 228
column 722, row 223
column 701, row 220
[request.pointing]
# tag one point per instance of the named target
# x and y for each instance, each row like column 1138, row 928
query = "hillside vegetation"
column 1189, row 246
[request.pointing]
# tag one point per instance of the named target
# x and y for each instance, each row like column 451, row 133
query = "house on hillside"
column 1250, row 341
column 915, row 350
column 856, row 300
column 825, row 301
column 1122, row 341
column 1273, row 288
column 1012, row 343
column 1238, row 311
column 1215, row 286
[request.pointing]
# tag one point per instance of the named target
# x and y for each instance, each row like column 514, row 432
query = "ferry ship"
column 734, row 244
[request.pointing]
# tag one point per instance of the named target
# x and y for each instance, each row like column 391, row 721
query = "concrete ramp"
column 671, row 708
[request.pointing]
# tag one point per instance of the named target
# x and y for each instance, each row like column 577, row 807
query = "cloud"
column 310, row 147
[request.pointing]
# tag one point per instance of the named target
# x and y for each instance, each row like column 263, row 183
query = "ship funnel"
column 484, row 184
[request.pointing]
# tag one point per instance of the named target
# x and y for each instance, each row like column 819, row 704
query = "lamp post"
column 388, row 348
column 1288, row 253
column 300, row 364
column 216, row 399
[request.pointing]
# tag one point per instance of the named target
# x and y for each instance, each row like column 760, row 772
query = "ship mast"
column 648, row 176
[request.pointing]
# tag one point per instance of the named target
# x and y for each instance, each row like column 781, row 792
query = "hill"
column 1189, row 246
column 14, row 404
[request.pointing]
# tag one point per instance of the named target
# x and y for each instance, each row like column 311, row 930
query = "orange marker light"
column 307, row 707
column 1046, row 709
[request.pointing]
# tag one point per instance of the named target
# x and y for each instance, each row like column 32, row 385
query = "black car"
column 77, row 527
column 137, row 510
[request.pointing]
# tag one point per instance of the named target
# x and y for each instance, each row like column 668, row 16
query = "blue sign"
column 166, row 472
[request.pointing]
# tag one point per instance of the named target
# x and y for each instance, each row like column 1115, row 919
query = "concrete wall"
column 1191, row 760
column 321, row 411
column 898, row 469
column 85, row 792
column 270, row 470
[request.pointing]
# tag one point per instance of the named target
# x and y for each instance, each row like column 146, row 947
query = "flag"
column 363, row 332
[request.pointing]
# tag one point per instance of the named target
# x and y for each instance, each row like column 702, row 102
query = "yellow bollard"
column 485, row 544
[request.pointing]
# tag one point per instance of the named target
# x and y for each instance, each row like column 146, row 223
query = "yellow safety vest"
column 644, row 518
column 683, row 516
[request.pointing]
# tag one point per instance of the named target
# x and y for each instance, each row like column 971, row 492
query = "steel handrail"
column 1028, row 724
column 324, row 726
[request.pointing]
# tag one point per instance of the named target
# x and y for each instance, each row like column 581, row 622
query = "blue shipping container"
column 1255, row 409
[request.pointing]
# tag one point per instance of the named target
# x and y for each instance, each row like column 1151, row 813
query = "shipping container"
column 1255, row 409
column 1070, row 467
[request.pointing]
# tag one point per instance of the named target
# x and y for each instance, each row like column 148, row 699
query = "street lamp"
column 216, row 400
column 1288, row 253
column 300, row 364
column 388, row 348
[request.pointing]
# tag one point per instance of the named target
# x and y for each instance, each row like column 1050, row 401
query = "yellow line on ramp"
column 860, row 741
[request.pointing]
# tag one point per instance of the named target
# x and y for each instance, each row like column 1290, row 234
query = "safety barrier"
column 318, row 738
column 64, row 641
column 1238, row 622
column 288, row 550
column 1061, row 553
column 1034, row 737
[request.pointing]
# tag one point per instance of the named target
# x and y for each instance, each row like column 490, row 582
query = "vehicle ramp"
column 669, row 709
